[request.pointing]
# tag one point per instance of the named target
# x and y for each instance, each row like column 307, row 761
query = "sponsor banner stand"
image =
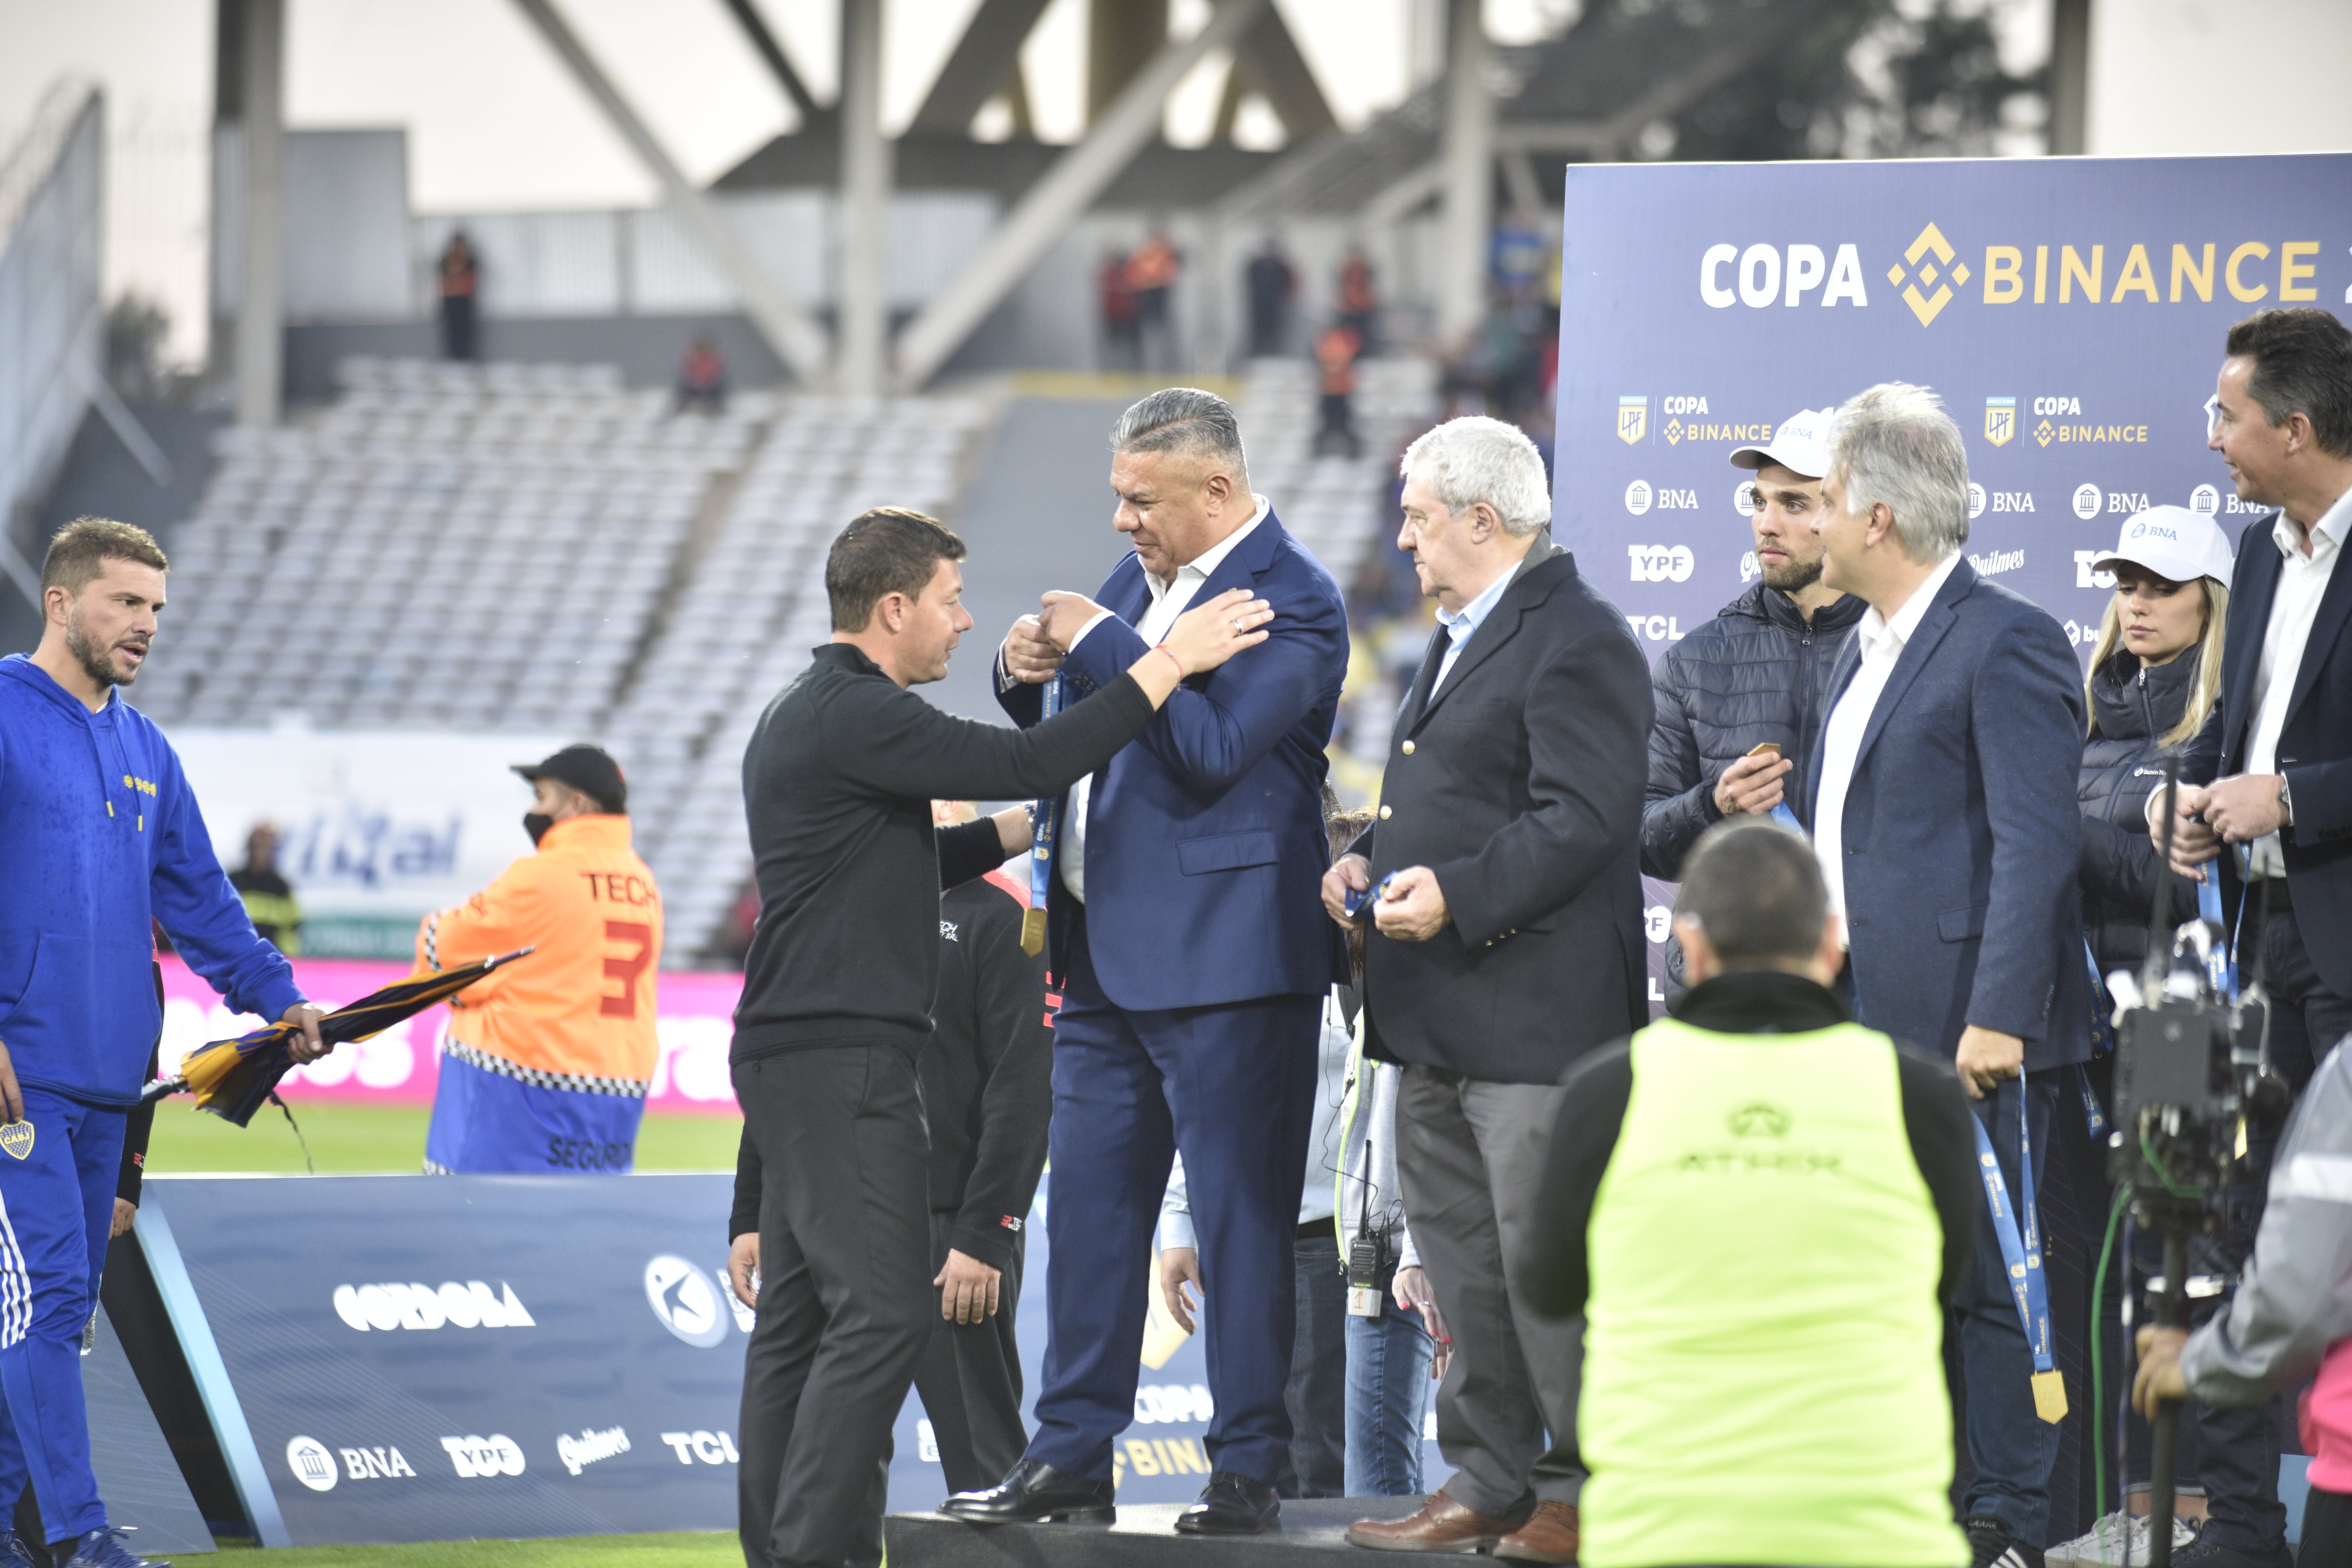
column 137, row 1474
column 2070, row 312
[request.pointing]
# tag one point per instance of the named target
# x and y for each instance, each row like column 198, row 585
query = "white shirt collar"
column 2332, row 526
column 1205, row 565
column 1875, row 628
column 1461, row 622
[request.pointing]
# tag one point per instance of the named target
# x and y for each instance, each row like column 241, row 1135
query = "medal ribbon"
column 2021, row 1252
column 1044, row 816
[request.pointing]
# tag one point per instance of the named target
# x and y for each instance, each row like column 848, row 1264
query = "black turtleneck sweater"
column 1553, row 1268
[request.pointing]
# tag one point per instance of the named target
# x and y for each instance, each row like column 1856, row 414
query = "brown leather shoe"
column 1549, row 1535
column 1442, row 1525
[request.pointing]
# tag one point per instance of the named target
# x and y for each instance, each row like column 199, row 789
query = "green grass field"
column 691, row 1551
column 381, row 1140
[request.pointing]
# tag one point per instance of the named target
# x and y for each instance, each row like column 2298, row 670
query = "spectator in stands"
column 1122, row 344
column 1151, row 273
column 702, row 378
column 547, row 1063
column 1272, row 286
column 101, row 837
column 986, row 1075
column 1505, row 941
column 1740, row 697
column 268, row 897
column 1945, row 820
column 460, row 278
column 1335, row 357
column 1359, row 299
column 1764, row 1369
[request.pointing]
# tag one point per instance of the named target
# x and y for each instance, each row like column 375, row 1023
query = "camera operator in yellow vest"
column 1761, row 1209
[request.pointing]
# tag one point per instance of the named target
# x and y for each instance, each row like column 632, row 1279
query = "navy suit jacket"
column 2315, row 749
column 1205, row 843
column 1963, row 830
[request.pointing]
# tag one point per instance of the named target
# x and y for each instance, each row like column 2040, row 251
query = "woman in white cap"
column 2155, row 680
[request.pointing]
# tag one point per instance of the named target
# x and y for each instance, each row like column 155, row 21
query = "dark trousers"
column 2326, row 1531
column 970, row 1378
column 847, row 1304
column 2239, row 1449
column 1470, row 1158
column 1317, row 1396
column 457, row 326
column 1232, row 1086
column 2011, row 1447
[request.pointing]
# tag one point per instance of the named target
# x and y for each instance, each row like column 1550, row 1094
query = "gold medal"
column 2050, row 1396
column 1032, row 932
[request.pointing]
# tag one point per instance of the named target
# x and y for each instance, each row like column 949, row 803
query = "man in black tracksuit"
column 1758, row 673
column 838, row 781
column 987, row 1084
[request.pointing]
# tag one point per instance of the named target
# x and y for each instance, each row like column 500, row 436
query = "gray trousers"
column 1469, row 1157
column 846, row 1302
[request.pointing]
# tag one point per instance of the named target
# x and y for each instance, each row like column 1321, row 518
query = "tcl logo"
column 1656, row 628
column 1661, row 562
column 479, row 1457
column 710, row 1448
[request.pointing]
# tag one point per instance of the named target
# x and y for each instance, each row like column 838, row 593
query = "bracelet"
column 1172, row 659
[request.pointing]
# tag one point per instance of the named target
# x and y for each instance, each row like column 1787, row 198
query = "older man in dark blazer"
column 1944, row 818
column 1505, row 941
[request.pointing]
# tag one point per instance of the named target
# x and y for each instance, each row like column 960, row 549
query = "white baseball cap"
column 2174, row 543
column 1800, row 444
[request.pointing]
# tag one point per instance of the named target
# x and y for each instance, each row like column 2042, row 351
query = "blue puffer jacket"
column 1757, row 672
column 98, row 835
column 2122, row 766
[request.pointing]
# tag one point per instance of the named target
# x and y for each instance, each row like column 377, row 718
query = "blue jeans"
column 2011, row 1447
column 1388, row 1401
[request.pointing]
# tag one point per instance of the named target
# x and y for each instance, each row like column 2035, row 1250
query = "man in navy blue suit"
column 1945, row 821
column 1187, row 931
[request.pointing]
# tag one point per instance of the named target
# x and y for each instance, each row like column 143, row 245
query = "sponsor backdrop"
column 405, row 1359
column 400, row 1066
column 2070, row 311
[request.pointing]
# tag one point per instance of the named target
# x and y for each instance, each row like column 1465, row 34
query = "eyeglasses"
column 2213, row 414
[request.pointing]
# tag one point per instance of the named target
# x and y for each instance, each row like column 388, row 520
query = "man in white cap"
column 1736, row 697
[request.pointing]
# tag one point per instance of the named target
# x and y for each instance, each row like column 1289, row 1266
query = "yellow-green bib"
column 1763, row 1375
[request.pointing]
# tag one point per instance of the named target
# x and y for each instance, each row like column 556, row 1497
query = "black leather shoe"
column 1034, row 1494
column 1232, row 1505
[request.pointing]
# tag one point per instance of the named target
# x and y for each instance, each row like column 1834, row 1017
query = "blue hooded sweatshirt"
column 99, row 833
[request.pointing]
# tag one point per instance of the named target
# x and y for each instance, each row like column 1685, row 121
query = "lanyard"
column 1043, row 825
column 1787, row 819
column 2224, row 960
column 2021, row 1253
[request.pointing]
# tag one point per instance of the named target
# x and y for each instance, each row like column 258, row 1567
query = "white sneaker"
column 2106, row 1544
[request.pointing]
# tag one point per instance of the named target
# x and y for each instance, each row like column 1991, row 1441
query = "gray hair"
column 1473, row 459
column 1896, row 444
column 1186, row 421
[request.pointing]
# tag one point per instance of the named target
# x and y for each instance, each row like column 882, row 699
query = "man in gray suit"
column 1506, row 941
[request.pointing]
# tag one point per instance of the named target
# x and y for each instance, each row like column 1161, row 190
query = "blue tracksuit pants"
column 56, row 1203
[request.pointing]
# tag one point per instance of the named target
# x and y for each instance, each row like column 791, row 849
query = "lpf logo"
column 1633, row 419
column 1938, row 252
column 2000, row 420
column 1661, row 562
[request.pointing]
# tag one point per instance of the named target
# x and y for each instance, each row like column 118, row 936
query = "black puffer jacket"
column 1757, row 672
column 2123, row 764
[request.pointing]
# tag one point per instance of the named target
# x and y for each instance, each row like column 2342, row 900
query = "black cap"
column 590, row 770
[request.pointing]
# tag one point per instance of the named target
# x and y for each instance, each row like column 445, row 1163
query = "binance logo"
column 2000, row 420
column 1938, row 272
column 2045, row 432
column 1674, row 432
column 1633, row 419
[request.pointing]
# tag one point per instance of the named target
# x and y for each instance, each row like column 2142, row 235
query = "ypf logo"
column 1661, row 562
column 682, row 1297
column 1932, row 245
column 312, row 1465
column 478, row 1459
column 1633, row 419
column 2000, row 420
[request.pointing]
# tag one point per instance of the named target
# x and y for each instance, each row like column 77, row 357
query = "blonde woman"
column 2155, row 681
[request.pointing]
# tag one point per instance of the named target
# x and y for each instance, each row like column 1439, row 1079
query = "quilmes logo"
column 686, row 1301
column 1633, row 419
column 2000, row 420
column 1661, row 562
column 577, row 1453
column 478, row 1459
column 312, row 1464
column 472, row 1305
column 1927, row 253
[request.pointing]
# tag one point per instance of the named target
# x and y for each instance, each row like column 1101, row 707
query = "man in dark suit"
column 1194, row 961
column 1506, row 942
column 1945, row 819
column 2273, row 781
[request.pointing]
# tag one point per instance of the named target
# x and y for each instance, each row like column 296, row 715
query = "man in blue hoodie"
column 100, row 835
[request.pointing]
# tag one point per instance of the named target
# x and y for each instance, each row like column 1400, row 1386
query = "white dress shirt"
column 1168, row 600
column 1882, row 641
column 2302, row 580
